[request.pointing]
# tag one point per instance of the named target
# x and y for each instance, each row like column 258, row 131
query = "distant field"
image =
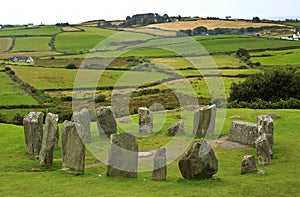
column 32, row 44
column 210, row 24
column 273, row 58
column 75, row 42
column 69, row 28
column 223, row 72
column 32, row 54
column 56, row 78
column 30, row 31
column 11, row 94
column 5, row 44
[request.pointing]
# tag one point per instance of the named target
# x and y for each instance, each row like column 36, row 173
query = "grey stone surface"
column 176, row 129
column 145, row 121
column 160, row 165
column 263, row 150
column 266, row 126
column 107, row 124
column 73, row 149
column 205, row 121
column 248, row 164
column 49, row 140
column 243, row 132
column 33, row 132
column 199, row 162
column 84, row 119
column 123, row 156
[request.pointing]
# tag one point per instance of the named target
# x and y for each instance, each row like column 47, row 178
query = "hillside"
column 209, row 24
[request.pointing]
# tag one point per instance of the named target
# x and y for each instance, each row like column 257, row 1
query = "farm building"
column 21, row 59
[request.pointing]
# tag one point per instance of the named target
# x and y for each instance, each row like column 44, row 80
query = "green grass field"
column 32, row 44
column 11, row 94
column 5, row 44
column 33, row 31
column 16, row 169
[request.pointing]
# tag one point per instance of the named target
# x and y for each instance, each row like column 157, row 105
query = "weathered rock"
column 160, row 165
column 176, row 129
column 123, row 156
column 73, row 149
column 33, row 132
column 200, row 162
column 243, row 132
column 263, row 150
column 248, row 164
column 266, row 126
column 205, row 121
column 49, row 140
column 84, row 119
column 261, row 172
column 145, row 121
column 107, row 124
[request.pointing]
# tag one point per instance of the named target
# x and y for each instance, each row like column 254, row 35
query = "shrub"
column 100, row 98
column 71, row 66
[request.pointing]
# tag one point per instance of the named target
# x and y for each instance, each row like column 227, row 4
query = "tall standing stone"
column 145, row 121
column 243, row 132
column 49, row 139
column 123, row 156
column 33, row 132
column 263, row 150
column 84, row 119
column 205, row 121
column 107, row 124
column 266, row 126
column 200, row 161
column 248, row 164
column 160, row 165
column 73, row 149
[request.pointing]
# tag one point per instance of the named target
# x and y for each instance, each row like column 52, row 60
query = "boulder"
column 248, row 164
column 145, row 121
column 243, row 132
column 176, row 129
column 33, row 132
column 84, row 119
column 200, row 162
column 160, row 165
column 263, row 150
column 107, row 124
column 123, row 156
column 49, row 140
column 73, row 149
column 205, row 121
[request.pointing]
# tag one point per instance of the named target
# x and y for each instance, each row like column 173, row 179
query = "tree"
column 256, row 19
column 243, row 54
column 71, row 66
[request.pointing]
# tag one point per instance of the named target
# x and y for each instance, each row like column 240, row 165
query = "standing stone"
column 266, row 126
column 248, row 164
column 107, row 124
column 200, row 161
column 205, row 121
column 49, row 139
column 263, row 150
column 160, row 165
column 83, row 118
column 123, row 156
column 243, row 132
column 33, row 132
column 145, row 121
column 176, row 129
column 73, row 150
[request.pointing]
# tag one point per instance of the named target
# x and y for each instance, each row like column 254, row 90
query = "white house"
column 21, row 59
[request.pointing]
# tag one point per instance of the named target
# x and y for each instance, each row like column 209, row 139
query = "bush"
column 71, row 66
column 100, row 98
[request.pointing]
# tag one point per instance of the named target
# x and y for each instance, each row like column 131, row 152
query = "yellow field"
column 70, row 29
column 209, row 24
column 5, row 43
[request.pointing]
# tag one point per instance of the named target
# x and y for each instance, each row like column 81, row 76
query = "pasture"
column 5, row 44
column 31, row 31
column 32, row 44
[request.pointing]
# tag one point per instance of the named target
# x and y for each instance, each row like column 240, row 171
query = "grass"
column 223, row 72
column 32, row 44
column 15, row 167
column 274, row 58
column 11, row 94
column 33, row 31
column 5, row 44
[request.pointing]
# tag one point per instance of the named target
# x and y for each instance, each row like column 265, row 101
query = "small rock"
column 261, row 172
column 176, row 129
column 248, row 164
column 145, row 154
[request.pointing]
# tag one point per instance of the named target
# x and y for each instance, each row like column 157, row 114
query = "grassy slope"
column 47, row 30
column 5, row 44
column 32, row 44
column 11, row 94
column 281, row 178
